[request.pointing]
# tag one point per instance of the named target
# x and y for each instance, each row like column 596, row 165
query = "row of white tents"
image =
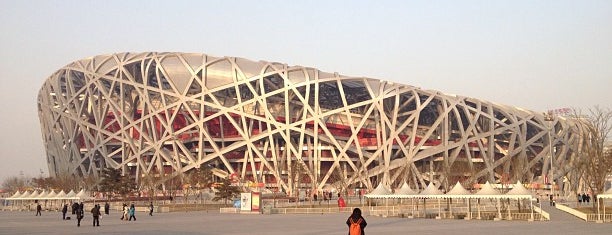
column 517, row 192
column 50, row 195
column 487, row 191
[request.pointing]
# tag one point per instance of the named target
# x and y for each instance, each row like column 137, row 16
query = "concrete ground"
column 316, row 224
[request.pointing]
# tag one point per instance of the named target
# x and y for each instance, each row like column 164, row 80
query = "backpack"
column 355, row 227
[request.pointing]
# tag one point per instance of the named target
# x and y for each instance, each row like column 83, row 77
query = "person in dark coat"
column 354, row 218
column 106, row 208
column 38, row 209
column 75, row 206
column 151, row 209
column 95, row 212
column 64, row 211
column 79, row 215
column 552, row 201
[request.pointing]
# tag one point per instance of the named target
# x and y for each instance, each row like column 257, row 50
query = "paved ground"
column 230, row 224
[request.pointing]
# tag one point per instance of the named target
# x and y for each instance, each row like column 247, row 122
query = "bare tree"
column 595, row 161
column 15, row 183
column 296, row 173
column 149, row 183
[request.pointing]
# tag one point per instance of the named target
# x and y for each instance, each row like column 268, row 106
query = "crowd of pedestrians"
column 584, row 198
column 78, row 212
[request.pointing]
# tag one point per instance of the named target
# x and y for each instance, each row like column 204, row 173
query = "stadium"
column 286, row 128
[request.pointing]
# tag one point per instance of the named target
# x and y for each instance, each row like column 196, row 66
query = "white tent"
column 24, row 196
column 51, row 195
column 404, row 192
column 33, row 196
column 519, row 192
column 71, row 195
column 458, row 191
column 487, row 191
column 379, row 192
column 83, row 195
column 606, row 195
column 61, row 195
column 431, row 191
column 16, row 195
column 42, row 195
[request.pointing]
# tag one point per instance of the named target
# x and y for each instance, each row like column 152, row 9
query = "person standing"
column 356, row 223
column 106, row 208
column 132, row 212
column 552, row 201
column 95, row 212
column 38, row 209
column 341, row 202
column 79, row 215
column 151, row 209
column 64, row 211
column 75, row 206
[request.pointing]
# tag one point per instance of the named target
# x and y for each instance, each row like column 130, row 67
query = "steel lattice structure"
column 285, row 126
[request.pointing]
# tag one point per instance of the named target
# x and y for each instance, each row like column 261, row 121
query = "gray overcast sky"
column 537, row 55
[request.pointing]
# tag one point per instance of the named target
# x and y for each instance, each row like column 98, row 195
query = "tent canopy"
column 488, row 191
column 431, row 191
column 518, row 191
column 379, row 192
column 606, row 194
column 458, row 191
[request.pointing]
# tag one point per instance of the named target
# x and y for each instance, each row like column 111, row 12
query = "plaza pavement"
column 320, row 224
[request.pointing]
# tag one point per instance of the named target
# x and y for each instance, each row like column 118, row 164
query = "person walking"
column 106, row 208
column 151, row 209
column 95, row 212
column 64, row 211
column 356, row 223
column 79, row 215
column 125, row 211
column 132, row 212
column 38, row 209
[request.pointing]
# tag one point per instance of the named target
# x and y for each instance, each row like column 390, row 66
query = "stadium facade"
column 285, row 127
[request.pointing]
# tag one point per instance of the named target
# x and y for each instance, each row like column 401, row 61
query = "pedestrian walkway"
column 557, row 215
column 214, row 223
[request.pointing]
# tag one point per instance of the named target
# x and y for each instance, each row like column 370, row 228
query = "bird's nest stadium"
column 285, row 127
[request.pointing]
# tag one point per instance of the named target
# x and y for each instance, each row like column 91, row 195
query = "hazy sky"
column 537, row 55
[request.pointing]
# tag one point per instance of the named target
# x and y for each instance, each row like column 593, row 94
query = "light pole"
column 550, row 119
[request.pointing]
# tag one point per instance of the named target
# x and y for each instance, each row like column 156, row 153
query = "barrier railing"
column 320, row 210
column 544, row 215
column 572, row 211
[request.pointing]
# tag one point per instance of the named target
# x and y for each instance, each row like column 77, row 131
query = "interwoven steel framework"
column 285, row 126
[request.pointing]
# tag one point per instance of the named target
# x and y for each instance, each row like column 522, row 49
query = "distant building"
column 160, row 114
